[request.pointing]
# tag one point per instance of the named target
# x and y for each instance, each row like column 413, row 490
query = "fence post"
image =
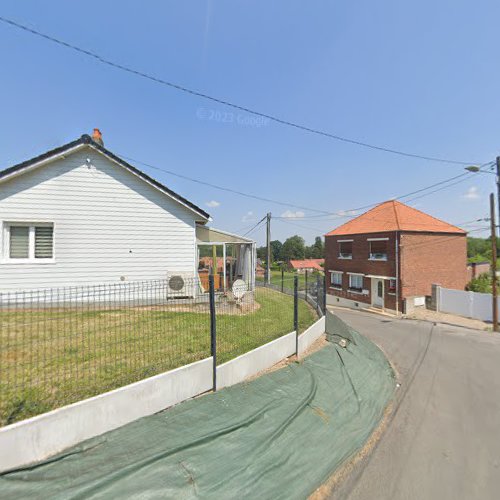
column 305, row 284
column 319, row 295
column 324, row 295
column 213, row 330
column 296, row 312
column 282, row 277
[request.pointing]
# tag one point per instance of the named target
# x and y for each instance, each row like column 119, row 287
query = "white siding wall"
column 108, row 223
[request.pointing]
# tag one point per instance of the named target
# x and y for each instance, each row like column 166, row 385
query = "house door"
column 377, row 292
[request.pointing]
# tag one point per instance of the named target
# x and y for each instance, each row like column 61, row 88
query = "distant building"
column 474, row 269
column 306, row 265
column 391, row 254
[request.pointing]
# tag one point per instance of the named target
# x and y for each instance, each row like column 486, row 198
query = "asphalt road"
column 443, row 439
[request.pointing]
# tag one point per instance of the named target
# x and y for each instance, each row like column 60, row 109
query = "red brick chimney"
column 97, row 137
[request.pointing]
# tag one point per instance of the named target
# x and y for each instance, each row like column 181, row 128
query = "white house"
column 80, row 215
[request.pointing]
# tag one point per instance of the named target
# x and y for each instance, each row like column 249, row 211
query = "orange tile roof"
column 394, row 216
column 308, row 264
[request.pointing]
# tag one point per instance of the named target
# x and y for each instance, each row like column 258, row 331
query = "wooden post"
column 494, row 263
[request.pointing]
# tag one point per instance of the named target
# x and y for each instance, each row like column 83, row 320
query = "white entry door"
column 377, row 292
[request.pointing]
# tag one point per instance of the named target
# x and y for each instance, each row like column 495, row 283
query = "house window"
column 392, row 286
column 345, row 249
column 378, row 250
column 356, row 282
column 336, row 279
column 19, row 242
column 28, row 242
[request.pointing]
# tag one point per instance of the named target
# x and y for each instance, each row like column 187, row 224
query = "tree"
column 293, row 248
column 481, row 283
column 318, row 248
column 276, row 247
column 262, row 253
column 479, row 249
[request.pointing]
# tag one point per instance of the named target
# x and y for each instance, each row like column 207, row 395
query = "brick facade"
column 432, row 258
column 424, row 259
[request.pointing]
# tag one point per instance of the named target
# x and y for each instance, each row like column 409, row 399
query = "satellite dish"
column 239, row 289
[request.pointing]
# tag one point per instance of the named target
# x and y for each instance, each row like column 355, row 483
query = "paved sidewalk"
column 449, row 319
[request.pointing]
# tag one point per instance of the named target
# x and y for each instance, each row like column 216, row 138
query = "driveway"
column 443, row 439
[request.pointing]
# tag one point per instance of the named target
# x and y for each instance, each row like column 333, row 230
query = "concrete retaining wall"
column 44, row 435
column 40, row 437
column 253, row 362
column 310, row 336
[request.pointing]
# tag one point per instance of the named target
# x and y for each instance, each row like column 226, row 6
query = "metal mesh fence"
column 60, row 345
column 261, row 316
column 311, row 288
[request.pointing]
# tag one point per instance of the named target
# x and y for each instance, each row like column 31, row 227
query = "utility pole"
column 494, row 262
column 498, row 187
column 268, row 244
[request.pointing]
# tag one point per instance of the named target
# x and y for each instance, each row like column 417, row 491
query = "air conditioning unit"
column 181, row 285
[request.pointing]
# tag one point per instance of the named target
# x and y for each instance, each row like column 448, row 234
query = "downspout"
column 397, row 273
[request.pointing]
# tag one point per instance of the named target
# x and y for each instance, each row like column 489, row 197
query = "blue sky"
column 415, row 76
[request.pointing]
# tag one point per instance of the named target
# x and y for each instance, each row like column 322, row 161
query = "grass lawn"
column 288, row 279
column 52, row 358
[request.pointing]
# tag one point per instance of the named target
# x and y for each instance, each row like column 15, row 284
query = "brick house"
column 393, row 252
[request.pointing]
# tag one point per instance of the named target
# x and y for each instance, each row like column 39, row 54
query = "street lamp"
column 476, row 169
column 473, row 168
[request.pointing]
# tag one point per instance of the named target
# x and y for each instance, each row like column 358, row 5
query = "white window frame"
column 356, row 288
column 31, row 259
column 336, row 285
column 373, row 255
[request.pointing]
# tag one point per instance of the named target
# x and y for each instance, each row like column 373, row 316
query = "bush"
column 481, row 283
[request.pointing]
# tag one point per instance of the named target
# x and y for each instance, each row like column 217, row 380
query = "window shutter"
column 19, row 242
column 43, row 242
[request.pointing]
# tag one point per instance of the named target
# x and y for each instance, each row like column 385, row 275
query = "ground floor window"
column 356, row 282
column 336, row 279
column 392, row 286
column 30, row 241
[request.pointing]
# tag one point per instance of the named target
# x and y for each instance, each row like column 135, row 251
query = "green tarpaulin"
column 279, row 436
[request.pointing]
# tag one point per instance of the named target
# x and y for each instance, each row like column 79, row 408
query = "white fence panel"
column 469, row 304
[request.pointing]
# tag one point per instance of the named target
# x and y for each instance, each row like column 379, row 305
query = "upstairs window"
column 345, row 249
column 378, row 250
column 356, row 282
column 30, row 242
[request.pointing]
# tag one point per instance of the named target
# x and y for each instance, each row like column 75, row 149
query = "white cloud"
column 472, row 193
column 248, row 217
column 293, row 215
column 212, row 203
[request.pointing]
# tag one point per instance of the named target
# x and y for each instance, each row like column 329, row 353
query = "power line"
column 324, row 213
column 255, row 226
column 224, row 102
column 464, row 176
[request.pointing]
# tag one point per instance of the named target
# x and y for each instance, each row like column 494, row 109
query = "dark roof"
column 86, row 139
